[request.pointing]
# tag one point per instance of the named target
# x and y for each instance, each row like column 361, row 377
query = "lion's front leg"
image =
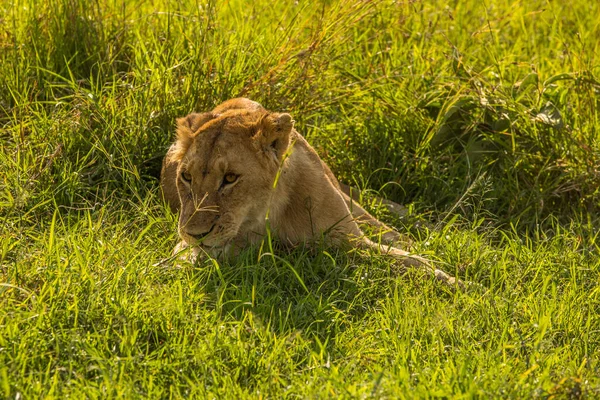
column 184, row 252
column 192, row 253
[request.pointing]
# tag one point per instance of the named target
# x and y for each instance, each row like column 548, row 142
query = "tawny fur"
column 279, row 180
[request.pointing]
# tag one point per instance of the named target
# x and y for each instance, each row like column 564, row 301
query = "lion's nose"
column 199, row 236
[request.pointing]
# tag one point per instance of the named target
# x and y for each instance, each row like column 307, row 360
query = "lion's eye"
column 186, row 176
column 230, row 178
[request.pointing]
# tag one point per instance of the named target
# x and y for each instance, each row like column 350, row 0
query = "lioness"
column 239, row 170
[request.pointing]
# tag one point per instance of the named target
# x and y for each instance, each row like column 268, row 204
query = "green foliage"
column 481, row 116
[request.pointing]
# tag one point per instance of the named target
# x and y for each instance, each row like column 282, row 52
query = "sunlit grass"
column 480, row 116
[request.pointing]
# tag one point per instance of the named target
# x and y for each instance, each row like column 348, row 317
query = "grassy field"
column 482, row 116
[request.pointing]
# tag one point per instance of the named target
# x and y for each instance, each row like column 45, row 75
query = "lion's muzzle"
column 200, row 236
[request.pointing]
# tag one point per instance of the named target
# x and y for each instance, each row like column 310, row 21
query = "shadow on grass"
column 318, row 291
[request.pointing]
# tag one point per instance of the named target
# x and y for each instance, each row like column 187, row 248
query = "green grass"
column 482, row 116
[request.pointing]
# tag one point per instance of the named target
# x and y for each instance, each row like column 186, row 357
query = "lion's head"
column 227, row 165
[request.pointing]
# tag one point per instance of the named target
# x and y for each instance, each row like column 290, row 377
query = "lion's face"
column 226, row 173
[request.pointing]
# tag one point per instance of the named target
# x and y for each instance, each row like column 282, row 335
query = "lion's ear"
column 274, row 132
column 186, row 130
column 192, row 122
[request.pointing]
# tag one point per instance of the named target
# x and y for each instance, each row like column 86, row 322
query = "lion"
column 240, row 171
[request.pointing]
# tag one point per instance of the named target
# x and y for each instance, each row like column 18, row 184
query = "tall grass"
column 481, row 116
